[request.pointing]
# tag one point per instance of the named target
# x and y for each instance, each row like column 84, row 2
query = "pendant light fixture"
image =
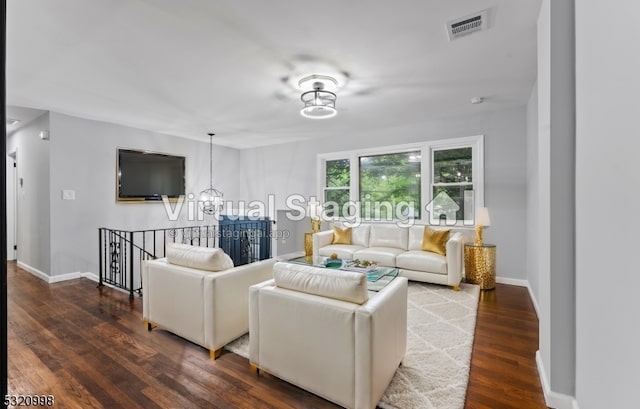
column 211, row 199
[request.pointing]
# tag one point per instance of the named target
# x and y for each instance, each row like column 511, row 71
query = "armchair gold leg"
column 149, row 325
column 254, row 368
column 456, row 288
column 215, row 353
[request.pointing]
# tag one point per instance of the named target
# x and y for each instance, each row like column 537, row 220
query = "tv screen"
column 149, row 176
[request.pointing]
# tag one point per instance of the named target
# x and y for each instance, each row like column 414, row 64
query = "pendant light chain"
column 211, row 160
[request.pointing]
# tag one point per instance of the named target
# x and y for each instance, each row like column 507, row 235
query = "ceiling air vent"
column 467, row 25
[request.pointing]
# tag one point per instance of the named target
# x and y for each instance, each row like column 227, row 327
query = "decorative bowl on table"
column 333, row 263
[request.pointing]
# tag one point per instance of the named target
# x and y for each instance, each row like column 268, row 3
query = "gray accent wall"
column 33, row 222
column 551, row 223
column 59, row 236
column 83, row 159
column 288, row 169
column 607, row 146
column 562, row 198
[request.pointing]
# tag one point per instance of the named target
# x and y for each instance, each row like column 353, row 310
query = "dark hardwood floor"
column 89, row 349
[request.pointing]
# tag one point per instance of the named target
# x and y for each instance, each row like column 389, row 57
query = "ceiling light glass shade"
column 211, row 200
column 318, row 104
column 320, row 101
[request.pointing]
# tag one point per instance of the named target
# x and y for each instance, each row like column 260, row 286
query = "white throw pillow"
column 201, row 258
column 341, row 285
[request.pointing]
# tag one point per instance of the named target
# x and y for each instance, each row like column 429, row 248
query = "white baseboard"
column 91, row 276
column 512, row 281
column 34, row 271
column 534, row 301
column 553, row 399
column 64, row 277
column 57, row 278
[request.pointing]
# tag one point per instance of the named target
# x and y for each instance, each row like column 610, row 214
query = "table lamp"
column 314, row 210
column 482, row 220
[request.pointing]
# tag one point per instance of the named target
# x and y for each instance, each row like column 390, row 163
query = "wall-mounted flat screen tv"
column 148, row 175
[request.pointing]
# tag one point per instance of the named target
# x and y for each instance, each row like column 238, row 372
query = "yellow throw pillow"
column 435, row 241
column 341, row 236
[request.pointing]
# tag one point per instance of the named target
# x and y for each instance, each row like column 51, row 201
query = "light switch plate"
column 68, row 195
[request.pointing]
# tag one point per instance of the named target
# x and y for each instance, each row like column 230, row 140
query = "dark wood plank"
column 503, row 369
column 89, row 348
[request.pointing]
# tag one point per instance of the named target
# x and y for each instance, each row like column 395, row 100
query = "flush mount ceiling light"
column 319, row 98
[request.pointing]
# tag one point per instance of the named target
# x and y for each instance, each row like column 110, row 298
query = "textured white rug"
column 435, row 370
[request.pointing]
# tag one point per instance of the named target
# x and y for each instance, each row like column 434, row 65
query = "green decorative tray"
column 333, row 263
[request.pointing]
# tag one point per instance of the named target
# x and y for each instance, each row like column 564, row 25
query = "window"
column 427, row 181
column 453, row 175
column 390, row 186
column 456, row 178
column 337, row 186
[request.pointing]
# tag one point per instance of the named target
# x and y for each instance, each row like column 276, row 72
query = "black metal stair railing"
column 122, row 252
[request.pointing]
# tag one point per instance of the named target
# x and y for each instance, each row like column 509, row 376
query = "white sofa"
column 394, row 246
column 205, row 307
column 321, row 330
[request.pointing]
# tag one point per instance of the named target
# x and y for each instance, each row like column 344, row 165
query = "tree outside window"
column 337, row 183
column 423, row 181
column 386, row 182
column 453, row 175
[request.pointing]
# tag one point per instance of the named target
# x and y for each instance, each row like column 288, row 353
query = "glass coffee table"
column 377, row 277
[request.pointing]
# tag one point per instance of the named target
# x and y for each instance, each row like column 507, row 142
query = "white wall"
column 543, row 168
column 83, row 159
column 291, row 169
column 532, row 195
column 33, row 196
column 607, row 147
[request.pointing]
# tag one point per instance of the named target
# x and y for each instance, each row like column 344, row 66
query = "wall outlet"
column 68, row 195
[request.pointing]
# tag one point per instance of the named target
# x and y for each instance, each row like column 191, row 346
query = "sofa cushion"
column 416, row 233
column 419, row 260
column 360, row 235
column 341, row 236
column 389, row 235
column 345, row 251
column 435, row 240
column 385, row 256
column 337, row 284
column 201, row 258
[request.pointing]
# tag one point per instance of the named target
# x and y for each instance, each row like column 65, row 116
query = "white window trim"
column 476, row 142
column 477, row 164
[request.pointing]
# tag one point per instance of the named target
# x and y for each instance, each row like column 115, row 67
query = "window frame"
column 427, row 148
column 476, row 143
column 323, row 185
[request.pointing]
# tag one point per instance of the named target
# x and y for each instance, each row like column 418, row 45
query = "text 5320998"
column 29, row 400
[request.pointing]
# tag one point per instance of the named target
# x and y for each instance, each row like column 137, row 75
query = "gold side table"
column 480, row 264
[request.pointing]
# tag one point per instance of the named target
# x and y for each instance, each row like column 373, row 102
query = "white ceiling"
column 193, row 66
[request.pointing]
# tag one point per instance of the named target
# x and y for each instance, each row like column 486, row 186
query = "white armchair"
column 208, row 308
column 321, row 330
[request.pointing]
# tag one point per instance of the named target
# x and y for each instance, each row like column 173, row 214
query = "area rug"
column 435, row 370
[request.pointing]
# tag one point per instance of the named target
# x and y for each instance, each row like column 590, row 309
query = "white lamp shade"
column 482, row 217
column 314, row 210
